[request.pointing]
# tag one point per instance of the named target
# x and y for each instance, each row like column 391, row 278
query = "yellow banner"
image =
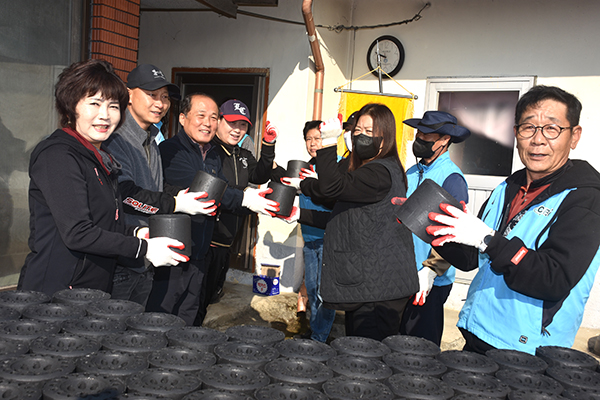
column 401, row 107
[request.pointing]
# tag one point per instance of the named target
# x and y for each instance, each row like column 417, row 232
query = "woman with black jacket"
column 368, row 258
column 76, row 213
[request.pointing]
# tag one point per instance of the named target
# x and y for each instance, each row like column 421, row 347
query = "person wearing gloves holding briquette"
column 536, row 239
column 240, row 168
column 179, row 290
column 77, row 224
column 436, row 131
column 141, row 182
column 368, row 258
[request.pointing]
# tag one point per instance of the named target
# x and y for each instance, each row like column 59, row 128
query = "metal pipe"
column 316, row 52
column 402, row 96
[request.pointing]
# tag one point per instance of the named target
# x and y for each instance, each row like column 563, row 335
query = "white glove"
column 458, row 226
column 348, row 140
column 426, row 277
column 159, row 252
column 308, row 173
column 187, row 202
column 254, row 199
column 331, row 130
column 294, row 216
column 143, row 232
column 293, row 182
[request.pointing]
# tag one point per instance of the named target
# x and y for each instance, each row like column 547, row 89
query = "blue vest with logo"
column 438, row 171
column 506, row 319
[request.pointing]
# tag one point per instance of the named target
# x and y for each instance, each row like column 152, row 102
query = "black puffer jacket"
column 76, row 219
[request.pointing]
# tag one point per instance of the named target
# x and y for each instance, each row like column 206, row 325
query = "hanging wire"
column 378, row 68
column 338, row 28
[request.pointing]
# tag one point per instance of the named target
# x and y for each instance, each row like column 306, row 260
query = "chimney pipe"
column 316, row 51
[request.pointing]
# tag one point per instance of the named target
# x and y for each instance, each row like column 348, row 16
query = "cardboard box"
column 267, row 282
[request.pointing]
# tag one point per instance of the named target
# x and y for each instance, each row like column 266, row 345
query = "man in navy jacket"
column 179, row 290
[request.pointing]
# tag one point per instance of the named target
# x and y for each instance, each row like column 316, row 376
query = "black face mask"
column 422, row 148
column 364, row 146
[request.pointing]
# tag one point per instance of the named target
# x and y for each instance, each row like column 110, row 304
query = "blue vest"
column 310, row 233
column 438, row 171
column 509, row 320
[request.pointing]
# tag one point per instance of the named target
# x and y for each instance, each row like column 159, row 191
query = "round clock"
column 391, row 52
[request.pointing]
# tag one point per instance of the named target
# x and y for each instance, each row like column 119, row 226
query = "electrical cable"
column 338, row 28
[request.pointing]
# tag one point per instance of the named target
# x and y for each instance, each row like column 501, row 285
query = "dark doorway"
column 249, row 85
column 246, row 84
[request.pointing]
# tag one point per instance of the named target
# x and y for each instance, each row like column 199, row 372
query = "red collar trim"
column 87, row 145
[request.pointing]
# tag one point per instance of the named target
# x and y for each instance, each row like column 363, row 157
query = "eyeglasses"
column 550, row 131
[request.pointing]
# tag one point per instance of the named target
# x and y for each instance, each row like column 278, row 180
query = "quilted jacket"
column 367, row 255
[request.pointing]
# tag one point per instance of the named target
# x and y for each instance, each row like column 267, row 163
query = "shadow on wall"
column 13, row 157
column 283, row 254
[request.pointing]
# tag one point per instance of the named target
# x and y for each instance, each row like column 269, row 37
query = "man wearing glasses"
column 536, row 239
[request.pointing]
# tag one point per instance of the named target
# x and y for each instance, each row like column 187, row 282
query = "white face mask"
column 348, row 140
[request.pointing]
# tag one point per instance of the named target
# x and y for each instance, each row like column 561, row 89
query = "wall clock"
column 392, row 55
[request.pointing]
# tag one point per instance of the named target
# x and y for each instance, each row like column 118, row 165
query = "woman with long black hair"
column 368, row 258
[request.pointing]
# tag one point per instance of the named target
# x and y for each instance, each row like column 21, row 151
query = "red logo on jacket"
column 519, row 255
column 141, row 207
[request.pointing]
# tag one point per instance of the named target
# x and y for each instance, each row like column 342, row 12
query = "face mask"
column 423, row 149
column 348, row 140
column 364, row 146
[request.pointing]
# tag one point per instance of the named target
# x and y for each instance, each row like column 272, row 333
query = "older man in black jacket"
column 240, row 168
column 179, row 290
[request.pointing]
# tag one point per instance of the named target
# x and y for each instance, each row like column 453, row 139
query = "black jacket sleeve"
column 172, row 189
column 260, row 171
column 315, row 218
column 552, row 270
column 462, row 257
column 368, row 184
column 277, row 173
column 135, row 195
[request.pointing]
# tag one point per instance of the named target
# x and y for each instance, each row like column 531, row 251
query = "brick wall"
column 115, row 33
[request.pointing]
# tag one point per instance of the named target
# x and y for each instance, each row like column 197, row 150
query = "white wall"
column 554, row 40
column 204, row 40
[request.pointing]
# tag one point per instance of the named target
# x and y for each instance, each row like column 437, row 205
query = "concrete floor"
column 240, row 306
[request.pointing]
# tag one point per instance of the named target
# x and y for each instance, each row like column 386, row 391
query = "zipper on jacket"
column 235, row 169
column 421, row 172
column 115, row 188
column 146, row 145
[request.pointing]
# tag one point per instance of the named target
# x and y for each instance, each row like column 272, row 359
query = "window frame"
column 435, row 85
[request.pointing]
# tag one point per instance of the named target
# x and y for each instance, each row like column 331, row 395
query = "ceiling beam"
column 224, row 7
column 250, row 3
column 228, row 8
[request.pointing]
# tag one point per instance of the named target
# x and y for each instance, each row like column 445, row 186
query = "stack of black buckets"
column 80, row 344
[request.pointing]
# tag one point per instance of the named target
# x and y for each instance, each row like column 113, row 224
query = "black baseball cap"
column 150, row 77
column 235, row 110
